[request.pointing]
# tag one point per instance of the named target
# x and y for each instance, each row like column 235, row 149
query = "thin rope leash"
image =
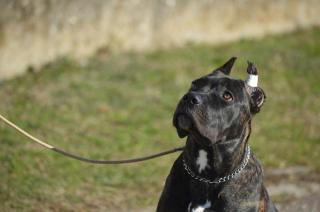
column 87, row 160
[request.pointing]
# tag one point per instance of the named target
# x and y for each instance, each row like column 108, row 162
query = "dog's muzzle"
column 192, row 98
column 183, row 119
column 184, row 122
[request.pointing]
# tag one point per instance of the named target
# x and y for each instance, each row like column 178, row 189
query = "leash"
column 83, row 159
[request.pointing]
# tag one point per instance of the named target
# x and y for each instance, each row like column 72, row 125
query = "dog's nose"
column 192, row 98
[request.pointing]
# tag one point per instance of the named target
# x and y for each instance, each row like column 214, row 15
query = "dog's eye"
column 227, row 96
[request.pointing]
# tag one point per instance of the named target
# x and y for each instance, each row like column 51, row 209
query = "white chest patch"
column 202, row 160
column 201, row 208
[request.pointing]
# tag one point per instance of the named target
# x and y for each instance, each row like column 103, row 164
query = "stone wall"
column 34, row 32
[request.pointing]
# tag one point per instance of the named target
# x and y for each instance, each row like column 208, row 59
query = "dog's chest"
column 203, row 197
column 200, row 200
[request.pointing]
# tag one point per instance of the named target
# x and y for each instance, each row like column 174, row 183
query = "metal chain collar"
column 222, row 179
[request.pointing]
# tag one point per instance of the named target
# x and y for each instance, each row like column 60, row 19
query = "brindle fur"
column 222, row 129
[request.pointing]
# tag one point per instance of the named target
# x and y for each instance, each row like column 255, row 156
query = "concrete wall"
column 34, row 32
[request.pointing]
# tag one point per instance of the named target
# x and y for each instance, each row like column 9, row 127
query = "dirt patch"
column 294, row 189
column 308, row 203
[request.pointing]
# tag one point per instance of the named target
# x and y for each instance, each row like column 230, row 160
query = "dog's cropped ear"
column 257, row 98
column 226, row 68
column 257, row 95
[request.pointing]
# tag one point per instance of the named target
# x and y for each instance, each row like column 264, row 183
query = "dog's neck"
column 219, row 159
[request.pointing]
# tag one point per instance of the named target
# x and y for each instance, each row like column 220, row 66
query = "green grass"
column 121, row 106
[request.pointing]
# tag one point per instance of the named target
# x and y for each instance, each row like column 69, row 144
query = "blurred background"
column 102, row 79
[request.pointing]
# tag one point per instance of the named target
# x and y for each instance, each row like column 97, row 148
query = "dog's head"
column 217, row 106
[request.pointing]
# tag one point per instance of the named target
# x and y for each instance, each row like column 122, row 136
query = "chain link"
column 221, row 179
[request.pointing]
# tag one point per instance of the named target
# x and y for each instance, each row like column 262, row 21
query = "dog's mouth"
column 184, row 121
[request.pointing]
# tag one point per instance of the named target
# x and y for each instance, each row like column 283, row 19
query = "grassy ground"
column 120, row 106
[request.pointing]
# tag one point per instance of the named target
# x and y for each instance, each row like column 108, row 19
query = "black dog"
column 217, row 171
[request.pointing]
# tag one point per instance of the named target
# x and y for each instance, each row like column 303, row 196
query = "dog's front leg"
column 174, row 197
